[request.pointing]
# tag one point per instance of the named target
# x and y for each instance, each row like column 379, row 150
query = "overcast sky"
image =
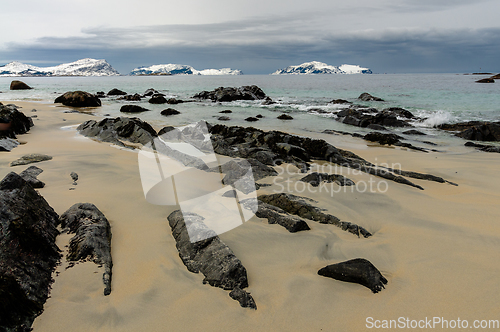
column 256, row 36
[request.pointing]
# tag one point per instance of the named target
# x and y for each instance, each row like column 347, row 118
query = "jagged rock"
column 214, row 259
column 30, row 176
column 13, row 122
column 157, row 99
column 243, row 297
column 285, row 117
column 133, row 109
column 365, row 96
column 315, row 178
column 7, row 144
column 381, row 138
column 251, row 92
column 301, row 207
column 116, row 92
column 28, row 253
column 19, row 85
column 117, row 130
column 359, row 270
column 486, row 80
column 78, row 99
column 170, row 111
column 30, row 159
column 92, row 238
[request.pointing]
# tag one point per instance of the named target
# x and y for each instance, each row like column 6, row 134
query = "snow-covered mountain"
column 175, row 69
column 83, row 67
column 316, row 67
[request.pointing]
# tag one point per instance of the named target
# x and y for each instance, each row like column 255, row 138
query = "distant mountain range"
column 83, row 67
column 175, row 69
column 315, row 67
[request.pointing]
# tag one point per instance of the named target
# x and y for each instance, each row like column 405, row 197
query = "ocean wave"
column 434, row 118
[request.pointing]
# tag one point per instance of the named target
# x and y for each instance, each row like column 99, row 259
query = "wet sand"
column 438, row 247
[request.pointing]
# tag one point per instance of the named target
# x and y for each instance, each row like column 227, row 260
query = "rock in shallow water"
column 78, row 99
column 357, row 270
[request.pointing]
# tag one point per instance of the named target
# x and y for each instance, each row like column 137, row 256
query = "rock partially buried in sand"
column 30, row 158
column 28, row 253
column 359, row 270
column 78, row 99
column 92, row 238
column 214, row 259
column 7, row 144
column 19, row 85
column 315, row 179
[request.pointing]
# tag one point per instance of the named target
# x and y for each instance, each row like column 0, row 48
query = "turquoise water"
column 438, row 97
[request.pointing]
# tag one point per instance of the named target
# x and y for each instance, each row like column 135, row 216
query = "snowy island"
column 83, row 67
column 316, row 67
column 175, row 69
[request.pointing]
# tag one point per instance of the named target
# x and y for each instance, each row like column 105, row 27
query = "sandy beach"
column 438, row 247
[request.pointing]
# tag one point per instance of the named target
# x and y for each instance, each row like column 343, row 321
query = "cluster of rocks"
column 249, row 92
column 28, row 250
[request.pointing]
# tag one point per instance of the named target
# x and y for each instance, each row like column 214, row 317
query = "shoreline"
column 436, row 247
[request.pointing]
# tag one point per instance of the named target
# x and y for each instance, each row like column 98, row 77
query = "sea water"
column 438, row 98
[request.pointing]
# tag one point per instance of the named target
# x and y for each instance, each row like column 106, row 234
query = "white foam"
column 434, row 119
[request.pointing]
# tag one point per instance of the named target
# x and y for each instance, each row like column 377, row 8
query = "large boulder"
column 78, row 99
column 116, row 92
column 92, row 240
column 28, row 253
column 210, row 256
column 157, row 99
column 251, row 92
column 13, row 122
column 19, row 85
column 118, row 130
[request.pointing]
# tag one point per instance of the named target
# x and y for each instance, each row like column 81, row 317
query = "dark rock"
column 13, row 122
column 210, row 256
column 251, row 119
column 485, row 148
column 475, row 130
column 150, row 92
column 259, row 116
column 268, row 101
column 100, row 94
column 170, row 111
column 116, row 92
column 243, row 297
column 134, row 97
column 92, row 240
column 19, row 85
column 399, row 112
column 359, row 270
column 7, row 144
column 301, row 207
column 173, row 101
column 285, row 117
column 166, row 130
column 368, row 97
column 221, row 94
column 340, row 101
column 223, row 118
column 28, row 253
column 226, row 111
column 78, row 99
column 30, row 159
column 381, row 138
column 414, row 132
column 30, row 176
column 117, row 130
column 486, row 80
column 315, row 178
column 365, row 117
column 74, row 177
column 133, row 109
column 158, row 99
column 495, row 77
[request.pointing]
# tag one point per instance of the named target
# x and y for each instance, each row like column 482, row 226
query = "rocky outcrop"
column 133, row 109
column 302, row 207
column 365, row 96
column 251, row 92
column 364, row 117
column 28, row 253
column 78, row 99
column 92, row 240
column 315, row 179
column 30, row 159
column 214, row 259
column 13, row 122
column 359, row 270
column 19, row 85
column 118, row 131
column 475, row 130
